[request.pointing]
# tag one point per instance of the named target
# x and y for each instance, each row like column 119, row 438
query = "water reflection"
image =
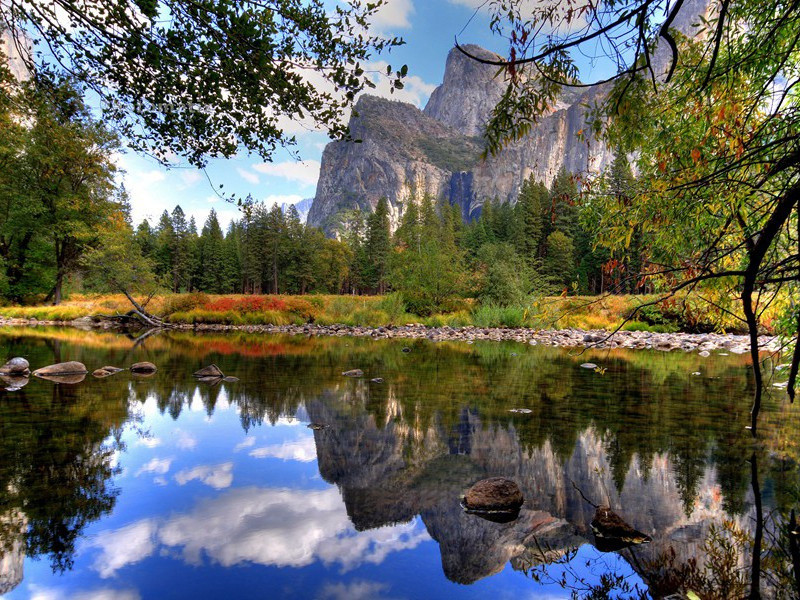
column 233, row 471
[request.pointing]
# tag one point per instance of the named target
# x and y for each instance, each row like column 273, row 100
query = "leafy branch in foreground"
column 714, row 124
column 203, row 78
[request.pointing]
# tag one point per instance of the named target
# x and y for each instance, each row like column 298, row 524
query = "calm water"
column 163, row 487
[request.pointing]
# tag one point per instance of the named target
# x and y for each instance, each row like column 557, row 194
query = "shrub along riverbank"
column 580, row 312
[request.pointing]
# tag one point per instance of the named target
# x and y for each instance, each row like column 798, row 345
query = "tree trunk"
column 57, row 289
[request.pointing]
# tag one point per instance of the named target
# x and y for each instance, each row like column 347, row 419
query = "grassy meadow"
column 581, row 312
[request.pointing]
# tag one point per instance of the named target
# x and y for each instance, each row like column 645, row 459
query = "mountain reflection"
column 664, row 448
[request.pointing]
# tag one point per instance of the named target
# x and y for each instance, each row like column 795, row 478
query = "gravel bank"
column 701, row 342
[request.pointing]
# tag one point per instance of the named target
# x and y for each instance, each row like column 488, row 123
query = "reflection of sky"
column 208, row 510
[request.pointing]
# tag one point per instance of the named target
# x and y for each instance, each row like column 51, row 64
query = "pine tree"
column 212, row 276
column 378, row 246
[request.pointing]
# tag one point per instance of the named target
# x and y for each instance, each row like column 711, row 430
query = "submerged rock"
column 615, row 533
column 106, row 371
column 12, row 383
column 16, row 366
column 494, row 494
column 353, row 373
column 68, row 378
column 209, row 371
column 72, row 367
column 143, row 368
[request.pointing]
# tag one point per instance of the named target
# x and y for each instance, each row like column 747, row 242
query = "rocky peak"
column 469, row 92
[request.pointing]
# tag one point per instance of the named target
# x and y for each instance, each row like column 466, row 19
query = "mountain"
column 302, row 208
column 405, row 152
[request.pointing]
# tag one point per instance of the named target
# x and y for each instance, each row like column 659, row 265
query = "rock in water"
column 209, row 371
column 230, row 379
column 68, row 378
column 143, row 368
column 353, row 373
column 406, row 349
column 106, row 371
column 494, row 494
column 13, row 383
column 588, row 366
column 71, row 367
column 609, row 526
column 377, row 380
column 15, row 366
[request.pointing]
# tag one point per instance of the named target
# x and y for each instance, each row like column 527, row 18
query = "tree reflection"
column 666, row 449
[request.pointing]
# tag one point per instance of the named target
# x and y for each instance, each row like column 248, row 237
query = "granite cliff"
column 405, row 152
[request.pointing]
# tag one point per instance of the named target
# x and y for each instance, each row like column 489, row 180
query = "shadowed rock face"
column 383, row 482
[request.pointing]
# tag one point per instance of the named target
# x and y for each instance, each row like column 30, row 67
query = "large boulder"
column 143, row 368
column 16, row 366
column 494, row 494
column 71, row 367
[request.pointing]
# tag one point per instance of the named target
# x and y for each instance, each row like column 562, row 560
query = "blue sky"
column 429, row 28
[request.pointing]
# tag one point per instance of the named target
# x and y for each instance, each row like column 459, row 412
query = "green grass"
column 580, row 312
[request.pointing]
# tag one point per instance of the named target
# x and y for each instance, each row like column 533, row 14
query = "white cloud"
column 215, row 476
column 394, row 14
column 249, row 177
column 415, row 91
column 247, row 442
column 305, row 173
column 279, row 527
column 355, row 590
column 124, row 546
column 303, row 450
column 527, row 9
column 149, row 442
column 158, row 466
column 190, row 177
column 38, row 592
column 185, row 440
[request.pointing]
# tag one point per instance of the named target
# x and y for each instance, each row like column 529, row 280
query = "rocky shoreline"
column 569, row 338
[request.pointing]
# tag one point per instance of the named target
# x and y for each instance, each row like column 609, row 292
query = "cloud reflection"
column 303, row 450
column 274, row 527
column 215, row 476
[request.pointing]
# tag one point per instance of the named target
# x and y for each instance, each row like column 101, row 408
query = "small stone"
column 230, row 379
column 106, row 371
column 377, row 380
column 704, row 354
column 15, row 366
column 353, row 373
column 588, row 366
column 209, row 371
column 143, row 368
column 495, row 493
column 521, row 411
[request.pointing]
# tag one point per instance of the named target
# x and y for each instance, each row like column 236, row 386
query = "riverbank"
column 569, row 338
